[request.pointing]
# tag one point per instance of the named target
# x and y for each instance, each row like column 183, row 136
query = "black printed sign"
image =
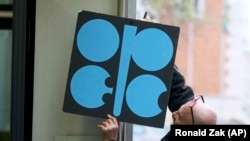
column 122, row 67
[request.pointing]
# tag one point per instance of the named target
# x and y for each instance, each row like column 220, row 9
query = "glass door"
column 5, row 67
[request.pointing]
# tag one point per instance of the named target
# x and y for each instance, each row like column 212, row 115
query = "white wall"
column 55, row 28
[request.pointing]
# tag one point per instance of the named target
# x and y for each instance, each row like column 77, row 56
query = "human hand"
column 109, row 128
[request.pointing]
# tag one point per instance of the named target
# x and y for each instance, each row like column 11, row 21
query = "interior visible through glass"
column 5, row 83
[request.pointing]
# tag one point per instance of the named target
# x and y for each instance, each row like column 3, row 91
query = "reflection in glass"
column 6, row 1
column 5, row 83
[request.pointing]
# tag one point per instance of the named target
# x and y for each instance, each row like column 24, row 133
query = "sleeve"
column 180, row 93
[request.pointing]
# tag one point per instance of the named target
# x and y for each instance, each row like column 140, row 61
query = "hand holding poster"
column 122, row 67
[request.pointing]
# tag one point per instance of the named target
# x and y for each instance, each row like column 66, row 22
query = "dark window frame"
column 6, row 22
column 22, row 69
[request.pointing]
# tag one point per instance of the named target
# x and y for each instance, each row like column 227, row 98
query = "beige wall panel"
column 55, row 29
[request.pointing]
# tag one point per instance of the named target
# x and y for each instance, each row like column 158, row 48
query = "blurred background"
column 5, row 67
column 213, row 54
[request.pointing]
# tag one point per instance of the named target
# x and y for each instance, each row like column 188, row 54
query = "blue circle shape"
column 153, row 50
column 97, row 40
column 143, row 93
column 88, row 86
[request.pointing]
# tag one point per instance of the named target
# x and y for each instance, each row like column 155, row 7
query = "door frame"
column 23, row 47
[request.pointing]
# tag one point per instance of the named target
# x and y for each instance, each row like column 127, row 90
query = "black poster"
column 122, row 67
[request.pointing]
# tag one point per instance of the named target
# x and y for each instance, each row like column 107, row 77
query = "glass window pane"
column 5, row 83
column 6, row 1
column 213, row 52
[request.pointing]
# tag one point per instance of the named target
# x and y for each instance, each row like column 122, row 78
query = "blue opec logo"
column 138, row 61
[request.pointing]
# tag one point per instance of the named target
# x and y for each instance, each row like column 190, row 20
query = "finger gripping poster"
column 122, row 67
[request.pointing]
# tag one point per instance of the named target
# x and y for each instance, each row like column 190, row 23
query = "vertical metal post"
column 22, row 70
column 126, row 8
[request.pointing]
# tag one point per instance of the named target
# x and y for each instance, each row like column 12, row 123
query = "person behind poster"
column 191, row 113
column 181, row 96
